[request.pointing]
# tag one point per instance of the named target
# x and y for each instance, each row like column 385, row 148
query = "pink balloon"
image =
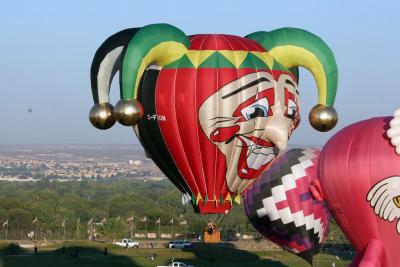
column 360, row 178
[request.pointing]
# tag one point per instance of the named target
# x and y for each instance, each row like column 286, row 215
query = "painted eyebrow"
column 290, row 82
column 244, row 87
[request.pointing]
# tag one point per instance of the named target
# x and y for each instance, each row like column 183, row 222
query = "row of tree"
column 123, row 205
column 115, row 209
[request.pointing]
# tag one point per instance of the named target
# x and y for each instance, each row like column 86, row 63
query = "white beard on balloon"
column 250, row 119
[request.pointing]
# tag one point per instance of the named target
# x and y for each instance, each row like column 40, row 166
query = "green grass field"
column 91, row 255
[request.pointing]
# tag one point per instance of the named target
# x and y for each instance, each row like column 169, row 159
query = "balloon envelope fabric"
column 360, row 178
column 211, row 110
column 281, row 207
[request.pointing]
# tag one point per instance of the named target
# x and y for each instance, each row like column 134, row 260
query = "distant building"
column 135, row 162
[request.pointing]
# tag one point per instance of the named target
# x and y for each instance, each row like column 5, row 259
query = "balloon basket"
column 212, row 235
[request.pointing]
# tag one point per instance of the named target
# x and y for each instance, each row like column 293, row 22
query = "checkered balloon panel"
column 281, row 207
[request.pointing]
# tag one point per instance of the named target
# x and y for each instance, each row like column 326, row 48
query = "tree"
column 113, row 228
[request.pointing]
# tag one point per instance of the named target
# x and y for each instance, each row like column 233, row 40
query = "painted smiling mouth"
column 255, row 155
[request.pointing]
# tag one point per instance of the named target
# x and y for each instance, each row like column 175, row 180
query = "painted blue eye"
column 257, row 109
column 292, row 109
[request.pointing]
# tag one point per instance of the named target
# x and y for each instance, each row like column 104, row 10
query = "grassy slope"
column 90, row 254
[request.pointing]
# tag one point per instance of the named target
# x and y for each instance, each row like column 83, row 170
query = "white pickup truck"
column 177, row 264
column 127, row 243
column 180, row 244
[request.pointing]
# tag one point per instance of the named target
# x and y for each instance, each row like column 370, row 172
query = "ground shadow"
column 225, row 253
column 12, row 255
column 89, row 254
column 10, row 249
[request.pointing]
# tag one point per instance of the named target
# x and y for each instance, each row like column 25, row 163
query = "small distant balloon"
column 29, row 110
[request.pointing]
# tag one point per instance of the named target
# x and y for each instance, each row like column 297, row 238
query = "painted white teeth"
column 257, row 155
column 257, row 160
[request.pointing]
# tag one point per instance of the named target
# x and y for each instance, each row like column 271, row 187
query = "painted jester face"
column 250, row 119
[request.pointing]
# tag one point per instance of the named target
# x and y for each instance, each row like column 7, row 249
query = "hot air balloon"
column 282, row 206
column 360, row 179
column 211, row 110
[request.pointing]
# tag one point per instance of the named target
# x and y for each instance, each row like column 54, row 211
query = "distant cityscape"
column 76, row 162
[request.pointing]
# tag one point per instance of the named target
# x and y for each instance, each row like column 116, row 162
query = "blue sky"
column 46, row 49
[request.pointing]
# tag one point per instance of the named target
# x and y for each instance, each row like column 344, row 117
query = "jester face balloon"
column 281, row 206
column 360, row 177
column 258, row 115
column 217, row 108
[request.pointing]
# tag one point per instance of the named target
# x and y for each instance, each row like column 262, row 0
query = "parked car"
column 177, row 264
column 127, row 243
column 180, row 244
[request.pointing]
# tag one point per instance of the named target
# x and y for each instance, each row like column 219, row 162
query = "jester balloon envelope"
column 360, row 177
column 214, row 108
column 281, row 206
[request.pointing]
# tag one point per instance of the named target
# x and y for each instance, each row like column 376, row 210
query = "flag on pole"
column 5, row 223
column 35, row 220
column 144, row 219
column 63, row 224
column 183, row 222
column 172, row 221
column 158, row 221
column 129, row 219
column 90, row 221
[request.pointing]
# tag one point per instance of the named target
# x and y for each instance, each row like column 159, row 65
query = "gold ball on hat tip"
column 101, row 115
column 323, row 118
column 128, row 112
